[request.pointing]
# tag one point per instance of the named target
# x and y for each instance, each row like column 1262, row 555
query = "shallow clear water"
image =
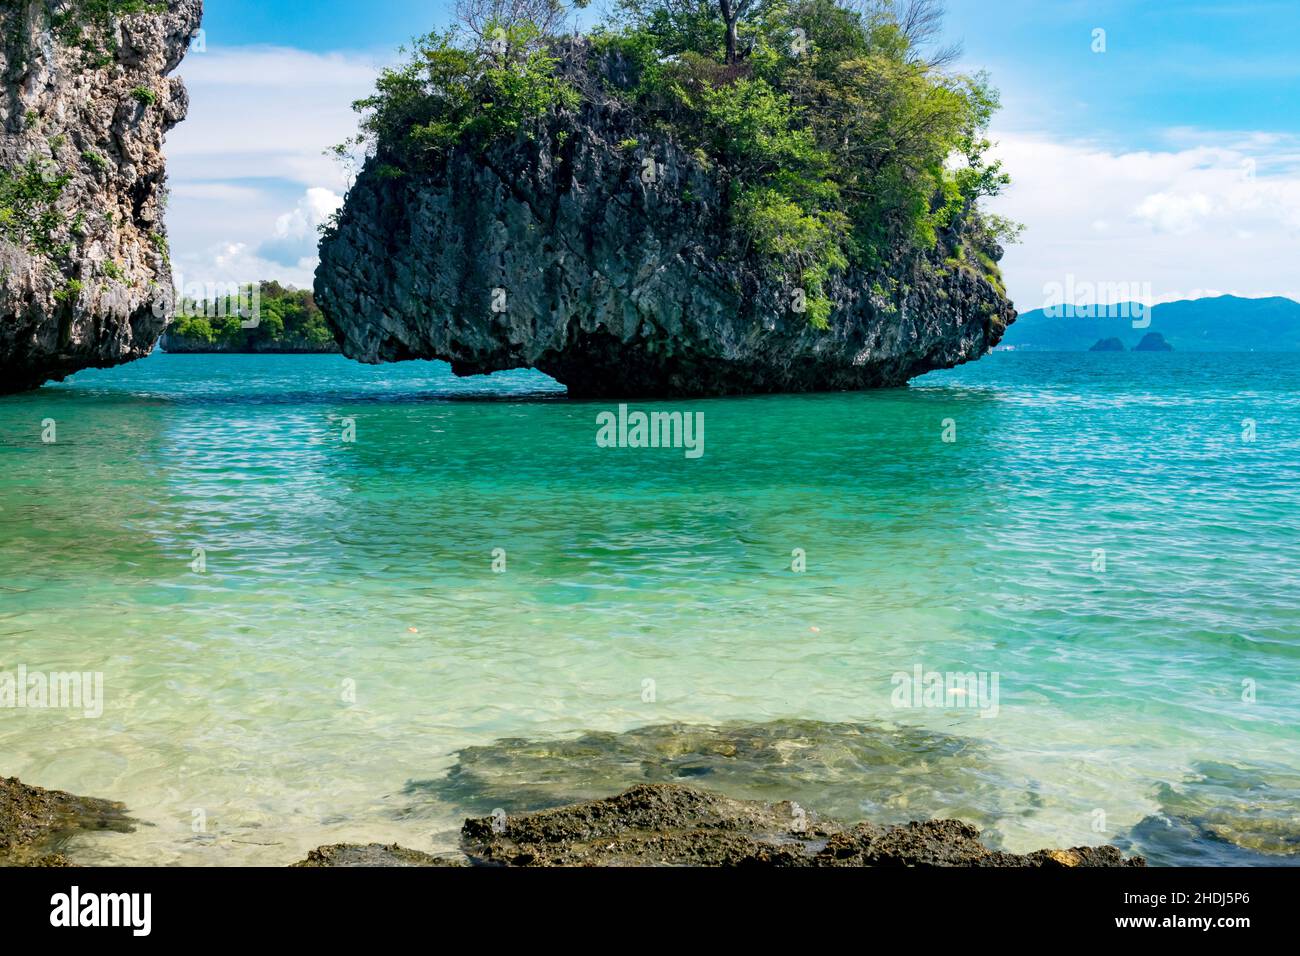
column 364, row 569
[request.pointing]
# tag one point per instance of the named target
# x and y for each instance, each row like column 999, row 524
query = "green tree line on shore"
column 284, row 317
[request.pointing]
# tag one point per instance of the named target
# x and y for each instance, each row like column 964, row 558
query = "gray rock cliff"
column 85, row 100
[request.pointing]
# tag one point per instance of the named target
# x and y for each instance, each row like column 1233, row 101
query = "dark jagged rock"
column 616, row 286
column 649, row 824
column 35, row 823
column 85, row 100
column 950, row 843
column 1153, row 342
column 373, row 854
column 1108, row 345
column 671, row 825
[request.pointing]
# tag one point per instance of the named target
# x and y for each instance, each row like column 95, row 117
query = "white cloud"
column 296, row 232
column 1220, row 215
column 250, row 181
column 266, row 69
column 1170, row 212
column 286, row 252
column 258, row 112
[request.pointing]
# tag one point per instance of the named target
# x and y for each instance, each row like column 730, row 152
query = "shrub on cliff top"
column 453, row 94
column 88, row 25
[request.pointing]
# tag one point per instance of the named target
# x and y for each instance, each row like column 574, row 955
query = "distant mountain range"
column 1225, row 323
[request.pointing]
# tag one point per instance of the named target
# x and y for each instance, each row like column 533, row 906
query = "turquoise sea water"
column 346, row 633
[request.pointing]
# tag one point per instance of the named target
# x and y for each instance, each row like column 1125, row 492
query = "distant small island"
column 287, row 321
column 1153, row 342
column 1108, row 345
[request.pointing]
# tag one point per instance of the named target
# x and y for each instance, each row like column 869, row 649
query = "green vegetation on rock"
column 87, row 23
column 450, row 94
column 838, row 140
column 29, row 214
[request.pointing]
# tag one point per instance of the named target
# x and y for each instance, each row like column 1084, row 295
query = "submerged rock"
column 671, row 825
column 35, row 823
column 85, row 99
column 1225, row 815
column 852, row 771
column 552, row 251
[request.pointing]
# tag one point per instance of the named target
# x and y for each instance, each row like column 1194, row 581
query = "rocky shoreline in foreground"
column 646, row 825
column 667, row 824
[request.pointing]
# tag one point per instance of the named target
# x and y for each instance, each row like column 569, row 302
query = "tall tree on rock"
column 732, row 11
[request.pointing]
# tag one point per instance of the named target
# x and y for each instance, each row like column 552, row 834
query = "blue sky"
column 1168, row 63
column 1170, row 160
column 322, row 24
